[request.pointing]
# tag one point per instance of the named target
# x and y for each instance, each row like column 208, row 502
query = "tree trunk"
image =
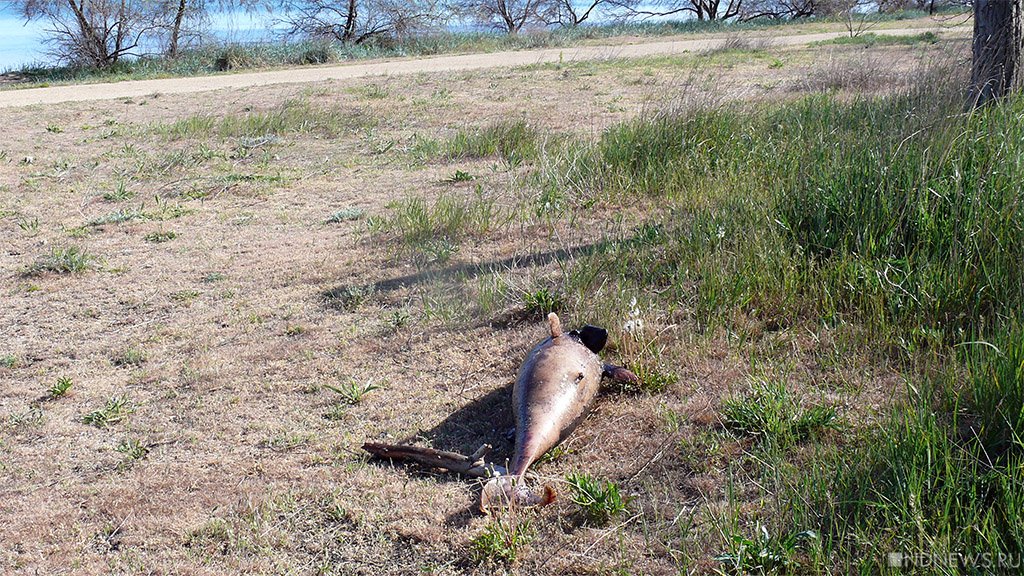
column 172, row 47
column 350, row 22
column 997, row 67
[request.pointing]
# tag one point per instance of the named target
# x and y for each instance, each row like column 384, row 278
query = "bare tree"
column 179, row 20
column 92, row 32
column 570, row 13
column 703, row 10
column 780, row 9
column 998, row 46
column 357, row 21
column 510, row 16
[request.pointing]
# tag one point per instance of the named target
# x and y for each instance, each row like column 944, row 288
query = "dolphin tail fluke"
column 511, row 491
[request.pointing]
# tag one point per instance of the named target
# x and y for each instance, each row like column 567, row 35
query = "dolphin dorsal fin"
column 555, row 324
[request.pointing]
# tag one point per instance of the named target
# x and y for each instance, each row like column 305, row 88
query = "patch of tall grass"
column 899, row 214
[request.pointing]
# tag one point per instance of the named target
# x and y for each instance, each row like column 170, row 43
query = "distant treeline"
column 101, row 33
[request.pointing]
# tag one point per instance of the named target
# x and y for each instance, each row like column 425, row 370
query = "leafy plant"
column 113, row 411
column 345, row 215
column 59, row 388
column 130, row 356
column 502, row 539
column 764, row 553
column 63, row 260
column 600, row 501
column 543, row 301
column 352, row 392
column 160, row 236
column 133, row 451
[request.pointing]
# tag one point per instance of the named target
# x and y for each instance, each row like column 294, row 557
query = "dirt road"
column 136, row 88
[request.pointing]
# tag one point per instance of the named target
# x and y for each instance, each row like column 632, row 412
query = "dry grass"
column 251, row 463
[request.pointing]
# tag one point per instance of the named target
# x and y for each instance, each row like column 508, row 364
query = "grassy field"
column 811, row 257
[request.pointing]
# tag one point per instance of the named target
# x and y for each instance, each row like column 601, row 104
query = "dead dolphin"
column 555, row 389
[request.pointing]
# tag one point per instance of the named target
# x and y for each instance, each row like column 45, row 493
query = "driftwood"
column 473, row 465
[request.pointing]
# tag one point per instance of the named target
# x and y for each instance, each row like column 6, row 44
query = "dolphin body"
column 555, row 389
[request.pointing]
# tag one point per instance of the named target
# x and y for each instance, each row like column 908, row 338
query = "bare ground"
column 235, row 324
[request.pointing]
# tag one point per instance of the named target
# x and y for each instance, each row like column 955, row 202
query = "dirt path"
column 136, row 88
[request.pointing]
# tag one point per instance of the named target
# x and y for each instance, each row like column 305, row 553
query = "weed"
column 764, row 553
column 63, row 260
column 345, row 215
column 9, row 361
column 30, row 227
column 113, row 411
column 460, row 176
column 295, row 330
column 130, row 356
column 54, row 128
column 160, row 236
column 185, row 296
column 600, row 501
column 398, row 319
column 502, row 540
column 32, row 416
column 212, row 277
column 542, row 301
column 118, row 217
column 771, row 414
column 59, row 388
column 353, row 392
column 347, row 298
column 133, row 451
column 120, row 193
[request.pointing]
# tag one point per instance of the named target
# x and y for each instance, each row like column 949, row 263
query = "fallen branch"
column 473, row 465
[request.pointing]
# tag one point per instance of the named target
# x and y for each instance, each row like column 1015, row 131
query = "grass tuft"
column 59, row 388
column 771, row 414
column 63, row 260
column 502, row 540
column 113, row 411
column 600, row 501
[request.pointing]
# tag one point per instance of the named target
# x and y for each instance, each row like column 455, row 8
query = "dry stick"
column 472, row 465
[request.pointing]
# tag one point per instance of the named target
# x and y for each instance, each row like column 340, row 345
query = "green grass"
column 872, row 39
column 353, row 392
column 773, row 415
column 502, row 539
column 599, row 500
column 514, row 141
column 431, row 232
column 115, row 410
column 59, row 388
column 63, row 260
